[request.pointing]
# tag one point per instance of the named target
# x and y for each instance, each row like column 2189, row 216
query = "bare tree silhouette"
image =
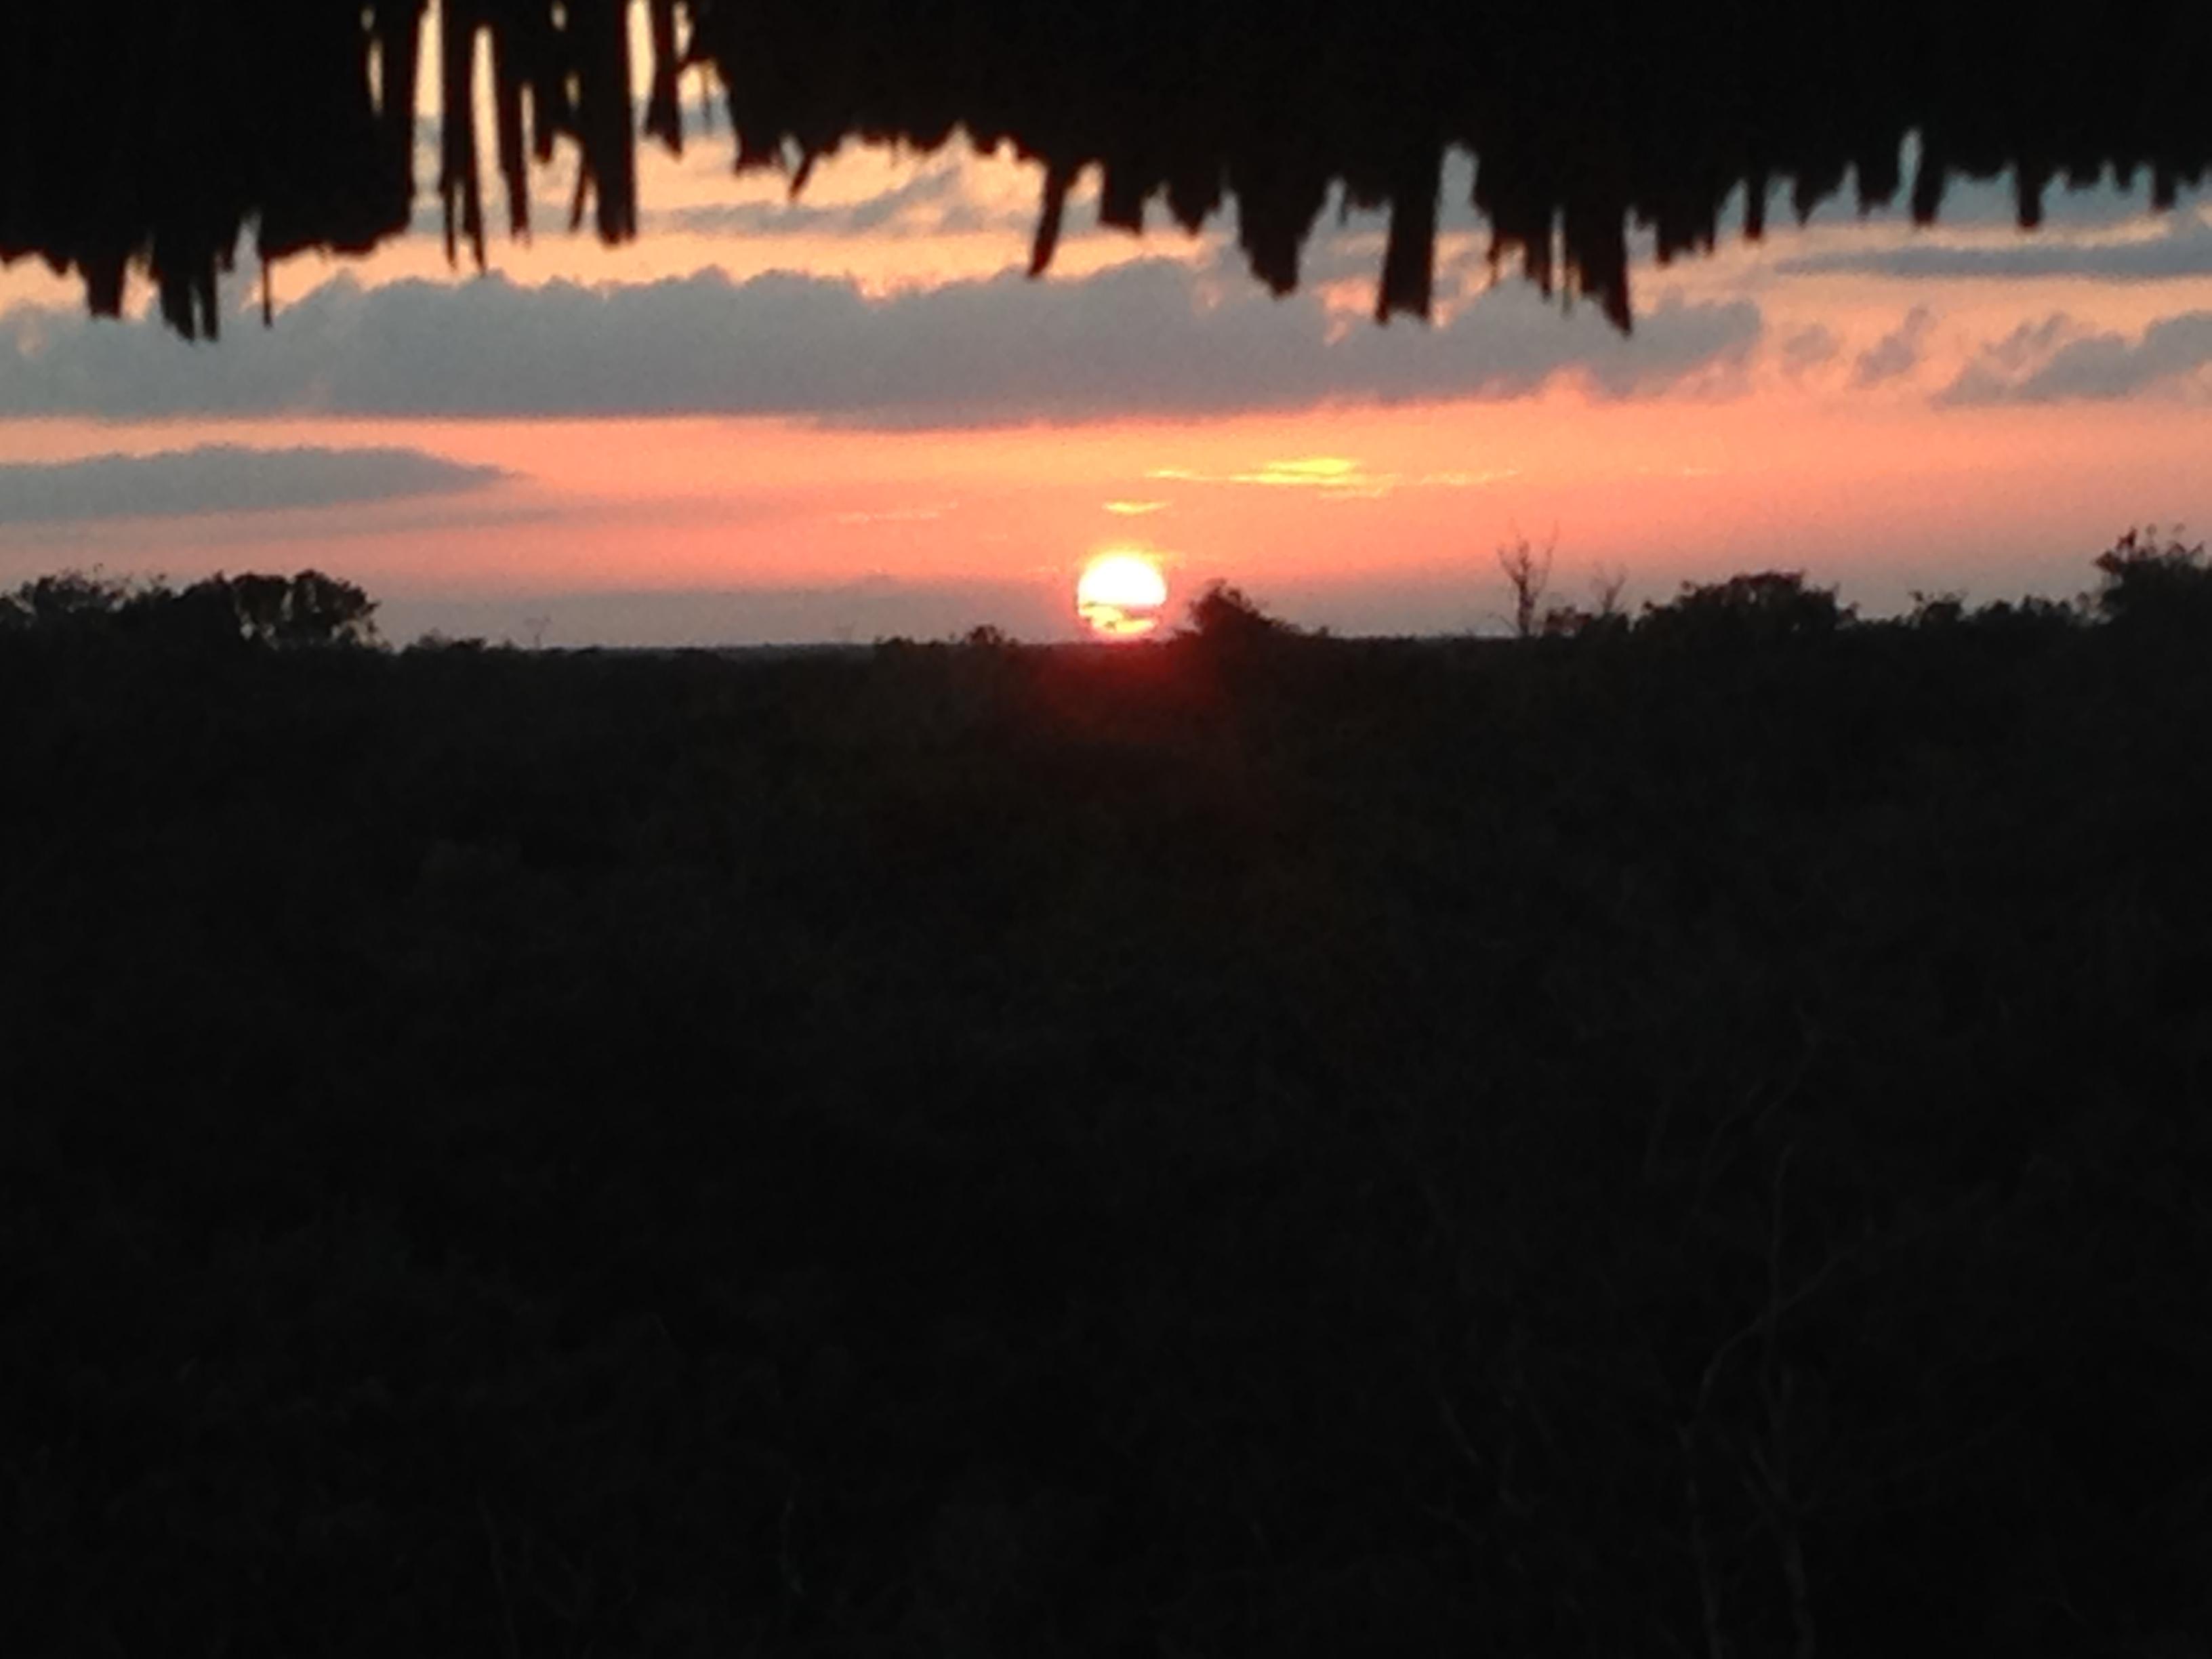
column 1529, row 572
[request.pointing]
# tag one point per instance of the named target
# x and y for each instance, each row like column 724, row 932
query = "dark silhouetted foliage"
column 1223, row 616
column 1603, row 617
column 1937, row 610
column 307, row 609
column 1746, row 612
column 1689, row 1140
column 2146, row 584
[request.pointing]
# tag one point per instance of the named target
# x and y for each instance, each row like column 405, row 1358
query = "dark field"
column 1689, row 1138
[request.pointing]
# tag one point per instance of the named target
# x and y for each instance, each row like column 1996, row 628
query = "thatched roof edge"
column 151, row 133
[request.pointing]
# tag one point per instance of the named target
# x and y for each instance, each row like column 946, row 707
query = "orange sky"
column 1414, row 498
column 1832, row 435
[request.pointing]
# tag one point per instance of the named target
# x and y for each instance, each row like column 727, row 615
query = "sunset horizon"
column 1047, row 828
column 851, row 413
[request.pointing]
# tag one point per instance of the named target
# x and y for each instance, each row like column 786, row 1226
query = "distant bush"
column 1602, row 617
column 2147, row 583
column 70, row 599
column 2031, row 615
column 1936, row 610
column 1763, row 608
column 1575, row 621
column 435, row 641
column 310, row 609
column 306, row 610
column 1224, row 615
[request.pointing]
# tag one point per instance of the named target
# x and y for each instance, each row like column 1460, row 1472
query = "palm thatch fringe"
column 152, row 133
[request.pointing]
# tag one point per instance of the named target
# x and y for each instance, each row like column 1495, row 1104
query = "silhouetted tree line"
column 309, row 608
column 1687, row 1134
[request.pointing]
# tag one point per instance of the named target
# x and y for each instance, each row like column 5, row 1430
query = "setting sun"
column 1120, row 595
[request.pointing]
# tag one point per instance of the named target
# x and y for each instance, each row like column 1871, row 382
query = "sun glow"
column 1120, row 595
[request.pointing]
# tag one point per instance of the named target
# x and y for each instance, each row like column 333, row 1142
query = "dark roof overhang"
column 157, row 133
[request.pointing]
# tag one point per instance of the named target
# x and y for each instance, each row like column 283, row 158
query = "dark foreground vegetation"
column 1688, row 1136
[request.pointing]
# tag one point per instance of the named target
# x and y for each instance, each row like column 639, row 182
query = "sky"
column 849, row 415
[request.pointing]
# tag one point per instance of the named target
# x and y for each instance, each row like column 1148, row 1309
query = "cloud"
column 224, row 478
column 934, row 202
column 1993, row 201
column 2102, row 204
column 928, row 514
column 1334, row 478
column 1146, row 337
column 1896, row 353
column 1305, row 472
column 2183, row 250
column 1809, row 348
column 2055, row 361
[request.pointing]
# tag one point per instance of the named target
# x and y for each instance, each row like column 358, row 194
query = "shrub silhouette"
column 1223, row 616
column 1945, row 610
column 308, row 610
column 436, row 639
column 2030, row 617
column 1603, row 617
column 2149, row 585
column 1765, row 607
column 69, row 602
